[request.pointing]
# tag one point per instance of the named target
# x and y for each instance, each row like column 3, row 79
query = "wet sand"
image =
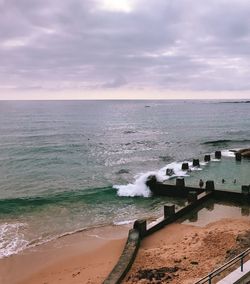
column 183, row 253
column 85, row 257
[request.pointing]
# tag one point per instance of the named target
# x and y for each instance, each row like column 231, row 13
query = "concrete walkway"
column 238, row 277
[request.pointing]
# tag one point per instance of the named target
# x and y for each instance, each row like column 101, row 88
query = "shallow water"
column 213, row 211
column 234, row 173
column 65, row 166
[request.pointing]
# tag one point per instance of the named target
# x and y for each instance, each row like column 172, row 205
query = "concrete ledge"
column 140, row 231
column 196, row 197
column 238, row 277
column 180, row 213
column 231, row 196
column 178, row 190
column 126, row 259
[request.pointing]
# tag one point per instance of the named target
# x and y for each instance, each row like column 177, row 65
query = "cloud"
column 160, row 44
column 116, row 83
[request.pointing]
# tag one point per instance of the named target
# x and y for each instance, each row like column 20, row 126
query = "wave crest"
column 139, row 187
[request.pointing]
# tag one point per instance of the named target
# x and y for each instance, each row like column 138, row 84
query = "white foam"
column 139, row 187
column 227, row 153
column 178, row 172
column 11, row 239
column 216, row 160
column 195, row 168
column 126, row 222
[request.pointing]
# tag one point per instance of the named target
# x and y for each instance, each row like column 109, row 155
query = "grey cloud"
column 117, row 82
column 191, row 44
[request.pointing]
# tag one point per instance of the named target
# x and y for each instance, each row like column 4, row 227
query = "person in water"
column 223, row 181
column 235, row 181
column 201, row 183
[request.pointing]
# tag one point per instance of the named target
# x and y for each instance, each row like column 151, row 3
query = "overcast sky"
column 124, row 48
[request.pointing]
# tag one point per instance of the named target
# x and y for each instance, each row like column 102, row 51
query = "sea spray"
column 139, row 187
column 228, row 153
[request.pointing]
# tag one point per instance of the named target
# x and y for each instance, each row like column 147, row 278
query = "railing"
column 210, row 276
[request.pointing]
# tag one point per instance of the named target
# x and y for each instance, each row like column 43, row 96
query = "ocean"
column 67, row 166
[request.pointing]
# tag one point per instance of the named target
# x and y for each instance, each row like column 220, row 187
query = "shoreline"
column 90, row 255
column 86, row 256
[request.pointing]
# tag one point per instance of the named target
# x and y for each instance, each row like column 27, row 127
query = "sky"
column 118, row 49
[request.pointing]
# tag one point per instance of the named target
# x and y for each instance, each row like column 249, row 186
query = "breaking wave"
column 139, row 187
column 11, row 239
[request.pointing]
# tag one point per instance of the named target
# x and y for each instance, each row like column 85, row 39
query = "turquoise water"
column 65, row 166
column 226, row 168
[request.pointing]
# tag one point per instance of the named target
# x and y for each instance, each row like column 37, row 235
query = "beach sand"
column 183, row 253
column 179, row 253
column 86, row 257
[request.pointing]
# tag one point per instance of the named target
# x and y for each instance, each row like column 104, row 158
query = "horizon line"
column 129, row 99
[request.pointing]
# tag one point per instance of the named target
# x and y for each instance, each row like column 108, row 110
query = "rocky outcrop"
column 244, row 152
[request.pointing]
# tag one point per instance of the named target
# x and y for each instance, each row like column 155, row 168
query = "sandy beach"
column 179, row 253
column 183, row 253
column 85, row 257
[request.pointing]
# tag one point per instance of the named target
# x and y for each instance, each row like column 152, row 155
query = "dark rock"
column 165, row 158
column 173, row 269
column 245, row 153
column 123, row 171
column 159, row 274
column 129, row 132
column 194, row 262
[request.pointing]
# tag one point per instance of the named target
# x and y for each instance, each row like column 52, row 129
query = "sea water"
column 67, row 166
